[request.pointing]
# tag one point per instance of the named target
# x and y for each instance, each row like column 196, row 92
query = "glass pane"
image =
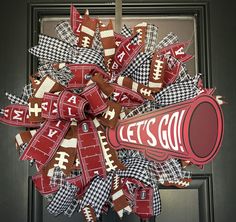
column 183, row 26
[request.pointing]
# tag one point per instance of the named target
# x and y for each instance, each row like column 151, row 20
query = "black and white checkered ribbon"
column 178, row 92
column 22, row 148
column 97, row 44
column 97, row 193
column 141, row 74
column 125, row 31
column 58, row 178
column 63, row 199
column 15, row 99
column 151, row 38
column 136, row 63
column 169, row 170
column 72, row 207
column 137, row 168
column 55, row 50
column 156, row 201
column 45, row 69
column 62, row 76
column 65, row 33
column 27, row 92
column 145, row 107
column 2, row 111
column 183, row 74
column 169, row 39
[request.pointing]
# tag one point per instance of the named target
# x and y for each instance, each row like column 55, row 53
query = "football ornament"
column 111, row 117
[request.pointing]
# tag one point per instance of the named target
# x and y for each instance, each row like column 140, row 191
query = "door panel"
column 211, row 196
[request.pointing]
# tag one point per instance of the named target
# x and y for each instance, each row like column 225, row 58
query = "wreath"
column 111, row 117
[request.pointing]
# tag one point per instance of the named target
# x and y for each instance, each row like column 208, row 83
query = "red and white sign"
column 191, row 130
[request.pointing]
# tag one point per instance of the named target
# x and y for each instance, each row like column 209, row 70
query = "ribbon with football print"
column 111, row 116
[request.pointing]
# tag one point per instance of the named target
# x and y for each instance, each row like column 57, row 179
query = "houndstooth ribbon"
column 27, row 92
column 63, row 75
column 15, row 99
column 97, row 193
column 125, row 31
column 58, row 179
column 136, row 63
column 2, row 111
column 141, row 74
column 63, row 199
column 57, row 51
column 97, row 44
column 151, row 38
column 183, row 74
column 169, row 39
column 178, row 92
column 65, row 33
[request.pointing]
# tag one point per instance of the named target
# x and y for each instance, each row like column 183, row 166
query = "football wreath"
column 111, row 117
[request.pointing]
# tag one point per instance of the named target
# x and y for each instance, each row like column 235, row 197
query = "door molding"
column 36, row 11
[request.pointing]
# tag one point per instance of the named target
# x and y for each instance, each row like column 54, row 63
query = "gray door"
column 211, row 197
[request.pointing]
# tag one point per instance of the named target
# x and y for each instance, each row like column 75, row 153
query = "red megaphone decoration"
column 191, row 130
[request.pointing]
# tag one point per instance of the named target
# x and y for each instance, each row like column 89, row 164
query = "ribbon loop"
column 71, row 106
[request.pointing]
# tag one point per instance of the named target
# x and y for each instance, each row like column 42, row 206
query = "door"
column 211, row 196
